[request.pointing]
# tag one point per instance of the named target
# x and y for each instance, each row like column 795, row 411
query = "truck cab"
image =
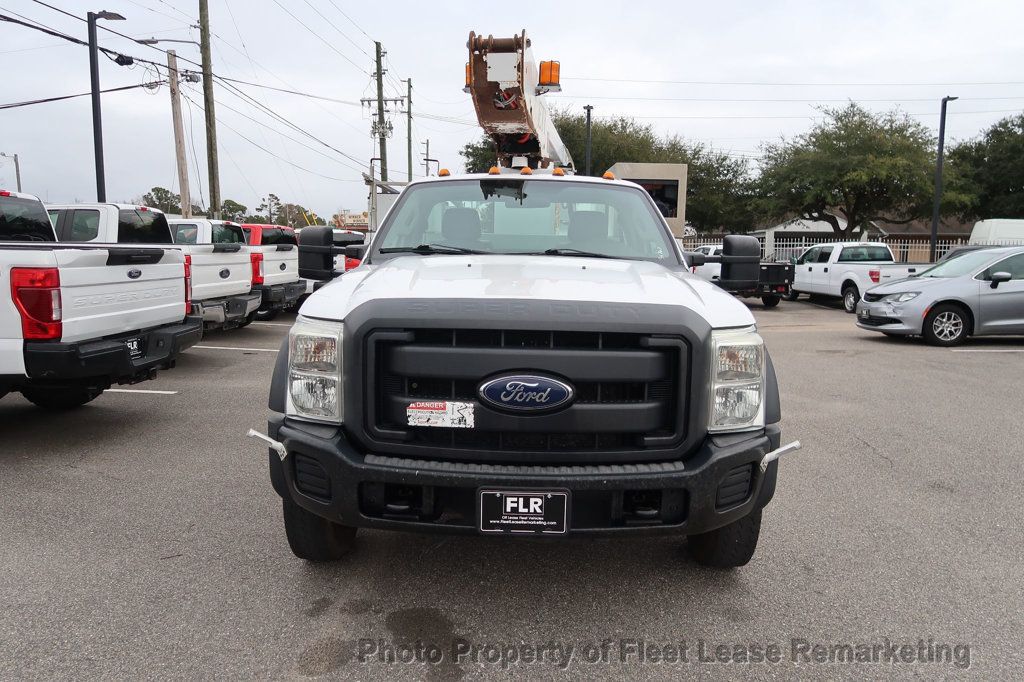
column 275, row 267
column 524, row 354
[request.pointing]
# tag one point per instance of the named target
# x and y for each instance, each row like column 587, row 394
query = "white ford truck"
column 275, row 267
column 222, row 292
column 221, row 289
column 847, row 270
column 524, row 355
column 75, row 319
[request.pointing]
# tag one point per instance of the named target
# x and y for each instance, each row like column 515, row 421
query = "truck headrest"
column 461, row 225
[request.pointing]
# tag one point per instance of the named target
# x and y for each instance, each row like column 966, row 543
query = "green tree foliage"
column 269, row 208
column 856, row 164
column 718, row 195
column 232, row 210
column 162, row 198
column 990, row 169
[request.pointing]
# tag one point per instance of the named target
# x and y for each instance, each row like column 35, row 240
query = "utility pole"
column 17, row 170
column 211, row 120
column 408, row 121
column 934, row 241
column 426, row 158
column 179, row 134
column 382, row 131
column 94, row 77
column 587, row 163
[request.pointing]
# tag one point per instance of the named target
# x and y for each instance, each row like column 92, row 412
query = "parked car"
column 219, row 271
column 222, row 290
column 772, row 285
column 844, row 270
column 562, row 373
column 76, row 319
column 980, row 293
column 996, row 230
column 275, row 267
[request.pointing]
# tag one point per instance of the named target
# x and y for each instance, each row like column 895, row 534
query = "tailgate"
column 112, row 290
column 280, row 263
column 219, row 273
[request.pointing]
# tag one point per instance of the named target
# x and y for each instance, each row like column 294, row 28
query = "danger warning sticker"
column 441, row 413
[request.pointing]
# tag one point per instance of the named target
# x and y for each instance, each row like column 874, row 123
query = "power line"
column 744, row 99
column 351, row 20
column 15, row 105
column 195, row 157
column 290, row 92
column 776, row 84
column 801, row 116
column 318, row 36
column 332, row 25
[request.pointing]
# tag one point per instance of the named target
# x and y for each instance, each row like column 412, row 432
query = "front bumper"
column 280, row 296
column 225, row 311
column 107, row 361
column 326, row 474
column 882, row 316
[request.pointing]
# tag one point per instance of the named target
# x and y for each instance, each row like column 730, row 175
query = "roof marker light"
column 494, row 170
column 608, row 175
column 526, row 171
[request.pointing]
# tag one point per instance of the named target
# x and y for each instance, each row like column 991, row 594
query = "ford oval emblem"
column 526, row 393
column 134, row 273
column 283, row 266
column 225, row 273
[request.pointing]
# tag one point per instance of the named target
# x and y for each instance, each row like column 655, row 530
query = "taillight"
column 352, row 263
column 875, row 275
column 36, row 295
column 188, row 284
column 256, row 258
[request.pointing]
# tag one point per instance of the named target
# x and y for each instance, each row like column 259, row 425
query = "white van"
column 997, row 230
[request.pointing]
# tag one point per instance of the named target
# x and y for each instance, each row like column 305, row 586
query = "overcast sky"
column 882, row 53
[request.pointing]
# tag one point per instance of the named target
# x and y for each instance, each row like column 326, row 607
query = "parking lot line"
column 259, row 350
column 271, row 324
column 140, row 390
column 987, row 350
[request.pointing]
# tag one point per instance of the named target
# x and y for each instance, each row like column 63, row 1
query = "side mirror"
column 695, row 259
column 345, row 239
column 355, row 251
column 316, row 253
column 997, row 278
column 741, row 263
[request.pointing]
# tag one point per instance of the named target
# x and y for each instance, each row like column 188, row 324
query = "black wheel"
column 247, row 320
column 850, row 298
column 313, row 537
column 946, row 325
column 770, row 301
column 59, row 397
column 792, row 295
column 266, row 315
column 729, row 546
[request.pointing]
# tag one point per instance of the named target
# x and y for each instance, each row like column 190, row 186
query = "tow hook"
column 765, row 461
column 278, row 447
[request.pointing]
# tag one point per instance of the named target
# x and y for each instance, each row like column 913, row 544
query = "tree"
column 296, row 215
column 990, row 170
column 232, row 210
column 718, row 191
column 270, row 207
column 856, row 164
column 164, row 199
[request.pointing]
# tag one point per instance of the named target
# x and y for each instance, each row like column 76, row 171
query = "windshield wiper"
column 429, row 249
column 574, row 252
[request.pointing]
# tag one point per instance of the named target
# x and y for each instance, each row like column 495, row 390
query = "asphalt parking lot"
column 140, row 537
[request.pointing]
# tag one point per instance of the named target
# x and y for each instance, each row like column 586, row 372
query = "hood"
column 908, row 284
column 552, row 278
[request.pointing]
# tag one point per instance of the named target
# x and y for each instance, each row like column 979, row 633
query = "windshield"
column 24, row 220
column 961, row 265
column 514, row 216
column 852, row 254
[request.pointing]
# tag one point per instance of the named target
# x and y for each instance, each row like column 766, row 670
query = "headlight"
column 314, row 371
column 737, row 380
column 901, row 298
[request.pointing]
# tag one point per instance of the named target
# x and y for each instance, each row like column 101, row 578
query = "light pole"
column 934, row 241
column 94, row 76
column 589, row 108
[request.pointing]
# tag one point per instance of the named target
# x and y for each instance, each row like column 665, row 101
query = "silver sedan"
column 977, row 294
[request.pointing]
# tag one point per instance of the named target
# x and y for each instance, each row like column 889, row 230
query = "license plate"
column 524, row 511
column 135, row 348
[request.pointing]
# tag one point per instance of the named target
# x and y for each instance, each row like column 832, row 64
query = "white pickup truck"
column 847, row 270
column 275, row 267
column 221, row 289
column 75, row 319
column 221, row 270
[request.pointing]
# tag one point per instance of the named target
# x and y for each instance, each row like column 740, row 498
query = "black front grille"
column 873, row 298
column 629, row 388
column 876, row 321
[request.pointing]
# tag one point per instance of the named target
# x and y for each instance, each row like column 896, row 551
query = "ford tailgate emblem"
column 525, row 393
column 225, row 273
column 134, row 273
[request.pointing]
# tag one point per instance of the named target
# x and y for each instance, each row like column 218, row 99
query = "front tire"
column 770, row 301
column 850, row 297
column 946, row 325
column 313, row 537
column 60, row 398
column 730, row 546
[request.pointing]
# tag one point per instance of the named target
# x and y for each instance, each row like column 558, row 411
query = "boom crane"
column 507, row 88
